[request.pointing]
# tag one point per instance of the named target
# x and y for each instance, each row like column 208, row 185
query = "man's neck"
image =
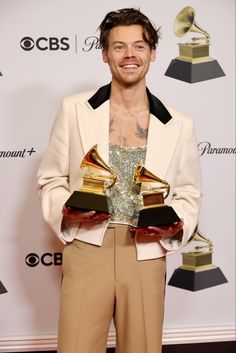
column 129, row 98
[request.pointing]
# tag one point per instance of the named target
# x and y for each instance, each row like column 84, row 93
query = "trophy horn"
column 93, row 159
column 141, row 175
column 197, row 236
column 185, row 22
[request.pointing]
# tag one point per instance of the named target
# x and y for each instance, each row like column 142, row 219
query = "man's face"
column 128, row 55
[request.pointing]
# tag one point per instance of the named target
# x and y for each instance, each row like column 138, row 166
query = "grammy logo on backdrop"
column 2, row 288
column 92, row 195
column 154, row 212
column 197, row 271
column 193, row 63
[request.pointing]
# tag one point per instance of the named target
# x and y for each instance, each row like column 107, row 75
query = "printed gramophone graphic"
column 2, row 288
column 154, row 211
column 194, row 63
column 197, row 271
column 93, row 193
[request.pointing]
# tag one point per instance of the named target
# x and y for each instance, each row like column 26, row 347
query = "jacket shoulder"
column 179, row 115
column 78, row 97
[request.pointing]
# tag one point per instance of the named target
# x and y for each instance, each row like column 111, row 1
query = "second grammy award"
column 92, row 195
column 154, row 212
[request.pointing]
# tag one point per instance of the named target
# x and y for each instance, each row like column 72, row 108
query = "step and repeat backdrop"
column 50, row 49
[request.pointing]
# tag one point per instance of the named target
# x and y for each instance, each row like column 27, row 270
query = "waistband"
column 118, row 225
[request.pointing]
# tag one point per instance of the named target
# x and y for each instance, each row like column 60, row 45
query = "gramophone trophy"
column 92, row 194
column 197, row 271
column 154, row 212
column 193, row 63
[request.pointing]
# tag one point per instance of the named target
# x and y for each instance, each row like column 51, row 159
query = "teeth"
column 130, row 66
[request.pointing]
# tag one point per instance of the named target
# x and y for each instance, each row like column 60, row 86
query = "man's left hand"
column 165, row 231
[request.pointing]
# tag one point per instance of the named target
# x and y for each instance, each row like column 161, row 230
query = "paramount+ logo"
column 45, row 43
column 46, row 259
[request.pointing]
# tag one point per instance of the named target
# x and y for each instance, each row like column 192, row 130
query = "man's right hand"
column 75, row 217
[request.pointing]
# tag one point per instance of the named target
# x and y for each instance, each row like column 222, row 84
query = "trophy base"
column 197, row 280
column 191, row 73
column 2, row 288
column 157, row 216
column 88, row 201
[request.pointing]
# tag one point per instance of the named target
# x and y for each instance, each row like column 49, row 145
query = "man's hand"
column 167, row 231
column 75, row 217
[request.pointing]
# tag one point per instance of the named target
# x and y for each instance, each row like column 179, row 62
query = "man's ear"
column 105, row 55
column 153, row 55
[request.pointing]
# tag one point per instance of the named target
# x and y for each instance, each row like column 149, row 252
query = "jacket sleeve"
column 53, row 172
column 187, row 191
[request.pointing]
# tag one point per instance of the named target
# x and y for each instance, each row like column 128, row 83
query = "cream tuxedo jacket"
column 82, row 122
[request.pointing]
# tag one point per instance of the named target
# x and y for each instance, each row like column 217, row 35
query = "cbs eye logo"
column 47, row 259
column 43, row 43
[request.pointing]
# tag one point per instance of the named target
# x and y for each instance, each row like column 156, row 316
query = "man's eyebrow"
column 117, row 42
column 121, row 42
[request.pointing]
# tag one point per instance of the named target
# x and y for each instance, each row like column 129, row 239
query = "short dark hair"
column 128, row 17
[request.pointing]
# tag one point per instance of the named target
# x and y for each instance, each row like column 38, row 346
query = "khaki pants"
column 101, row 283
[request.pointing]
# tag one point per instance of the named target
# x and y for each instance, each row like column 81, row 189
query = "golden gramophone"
column 154, row 211
column 92, row 195
column 193, row 63
column 197, row 271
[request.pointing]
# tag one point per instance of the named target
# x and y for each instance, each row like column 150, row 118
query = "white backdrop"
column 32, row 85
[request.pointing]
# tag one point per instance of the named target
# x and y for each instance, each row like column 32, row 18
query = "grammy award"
column 193, row 63
column 92, row 195
column 154, row 212
column 197, row 271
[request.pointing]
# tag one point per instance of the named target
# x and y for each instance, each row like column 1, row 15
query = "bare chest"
column 129, row 129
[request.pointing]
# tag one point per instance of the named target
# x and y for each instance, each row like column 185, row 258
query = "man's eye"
column 118, row 47
column 139, row 47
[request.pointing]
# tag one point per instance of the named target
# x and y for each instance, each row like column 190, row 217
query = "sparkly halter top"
column 125, row 195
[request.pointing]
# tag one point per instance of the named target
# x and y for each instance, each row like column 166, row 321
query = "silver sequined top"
column 125, row 195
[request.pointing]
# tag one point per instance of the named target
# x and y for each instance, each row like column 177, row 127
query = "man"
column 112, row 269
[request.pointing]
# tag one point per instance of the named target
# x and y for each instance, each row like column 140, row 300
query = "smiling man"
column 113, row 269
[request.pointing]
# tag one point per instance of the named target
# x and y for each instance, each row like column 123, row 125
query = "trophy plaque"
column 92, row 195
column 197, row 271
column 154, row 212
column 193, row 63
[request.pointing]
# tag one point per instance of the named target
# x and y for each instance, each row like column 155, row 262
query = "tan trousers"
column 101, row 283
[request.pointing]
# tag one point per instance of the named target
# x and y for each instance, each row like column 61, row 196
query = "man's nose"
column 129, row 52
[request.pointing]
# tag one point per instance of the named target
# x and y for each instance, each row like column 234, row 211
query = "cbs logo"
column 47, row 259
column 43, row 43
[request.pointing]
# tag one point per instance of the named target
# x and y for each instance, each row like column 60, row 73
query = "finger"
column 154, row 228
column 88, row 214
column 102, row 216
column 180, row 224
